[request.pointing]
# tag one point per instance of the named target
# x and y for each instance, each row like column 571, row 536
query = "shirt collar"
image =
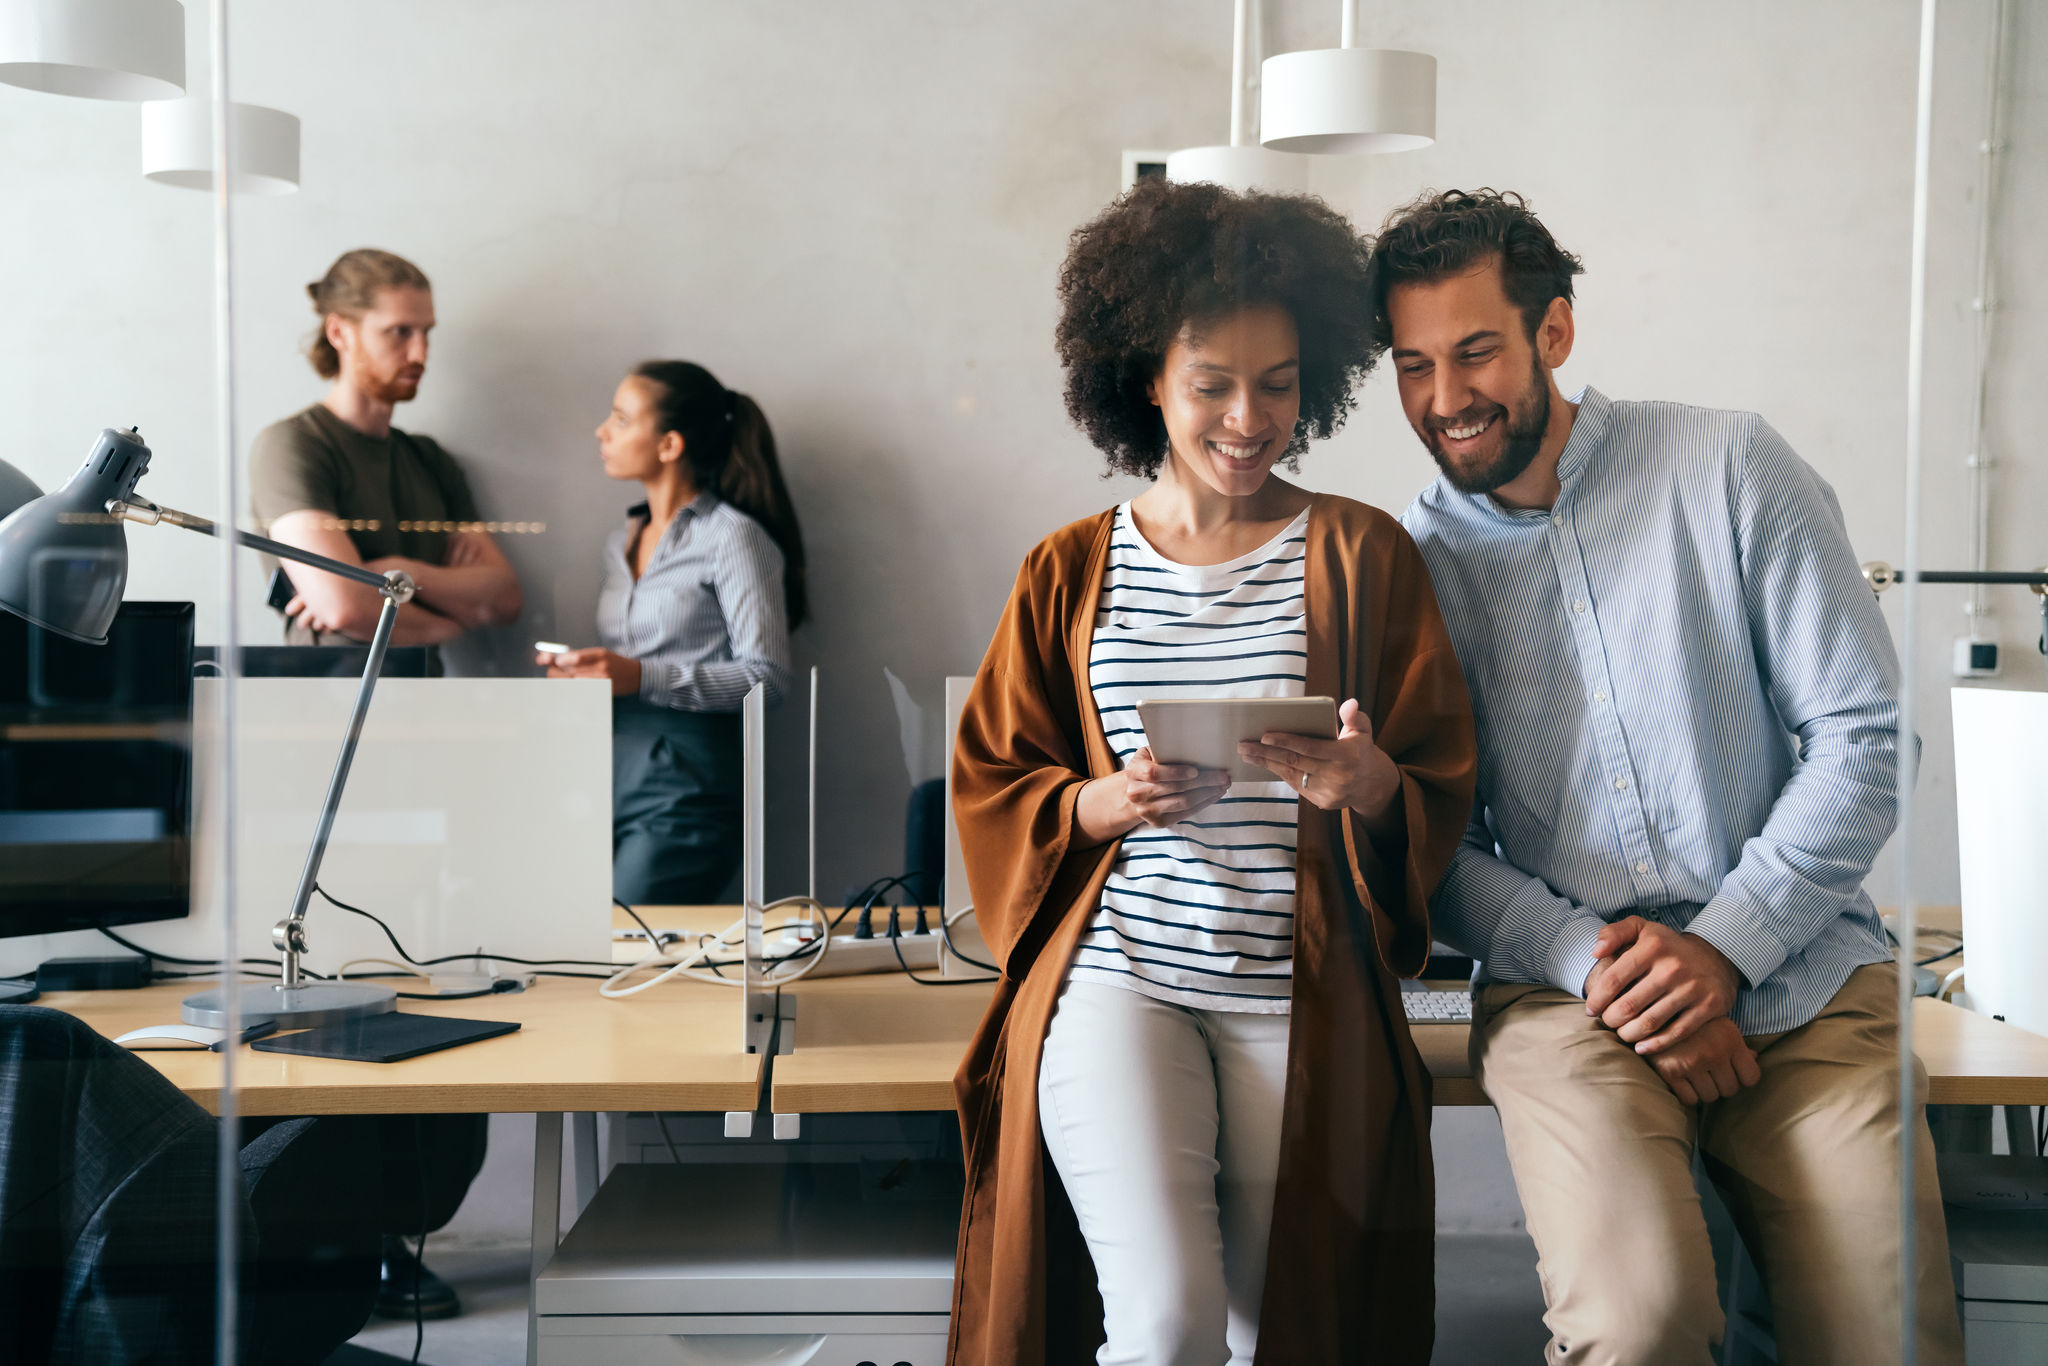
column 701, row 506
column 1589, row 430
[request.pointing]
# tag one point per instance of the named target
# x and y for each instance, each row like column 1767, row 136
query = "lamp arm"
column 149, row 514
column 289, row 934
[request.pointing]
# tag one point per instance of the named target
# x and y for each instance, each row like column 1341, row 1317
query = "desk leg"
column 589, row 1162
column 547, row 1217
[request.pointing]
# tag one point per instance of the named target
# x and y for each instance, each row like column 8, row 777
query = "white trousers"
column 1164, row 1125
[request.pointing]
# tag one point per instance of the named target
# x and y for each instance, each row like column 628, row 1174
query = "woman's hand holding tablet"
column 1349, row 771
column 1206, row 731
column 1145, row 792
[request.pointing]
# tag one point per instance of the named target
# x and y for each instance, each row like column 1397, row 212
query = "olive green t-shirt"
column 398, row 493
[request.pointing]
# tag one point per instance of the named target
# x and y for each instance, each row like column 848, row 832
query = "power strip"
column 878, row 954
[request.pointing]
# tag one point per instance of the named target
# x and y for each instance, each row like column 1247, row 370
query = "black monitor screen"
column 96, row 773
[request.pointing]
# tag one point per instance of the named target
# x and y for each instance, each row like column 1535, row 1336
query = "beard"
column 399, row 386
column 1523, row 424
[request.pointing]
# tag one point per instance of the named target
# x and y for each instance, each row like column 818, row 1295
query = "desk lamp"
column 63, row 566
column 1881, row 576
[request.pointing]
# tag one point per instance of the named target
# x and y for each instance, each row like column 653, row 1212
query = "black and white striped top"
column 1200, row 914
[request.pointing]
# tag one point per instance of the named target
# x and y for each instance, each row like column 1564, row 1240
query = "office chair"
column 107, row 1214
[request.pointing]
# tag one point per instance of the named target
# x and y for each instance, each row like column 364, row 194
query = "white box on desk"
column 477, row 812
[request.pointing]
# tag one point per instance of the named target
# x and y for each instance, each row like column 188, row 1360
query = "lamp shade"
column 16, row 488
column 177, row 146
column 63, row 557
column 1348, row 99
column 1240, row 168
column 98, row 49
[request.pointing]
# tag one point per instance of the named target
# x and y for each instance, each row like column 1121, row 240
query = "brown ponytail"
column 731, row 451
column 350, row 288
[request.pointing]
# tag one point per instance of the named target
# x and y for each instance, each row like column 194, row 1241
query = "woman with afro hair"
column 1193, row 1111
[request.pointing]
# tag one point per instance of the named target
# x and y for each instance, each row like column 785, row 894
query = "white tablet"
column 1204, row 731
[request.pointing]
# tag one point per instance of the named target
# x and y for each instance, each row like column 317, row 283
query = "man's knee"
column 1646, row 1318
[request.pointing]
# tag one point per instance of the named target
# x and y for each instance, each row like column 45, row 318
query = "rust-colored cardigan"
column 1350, row 1272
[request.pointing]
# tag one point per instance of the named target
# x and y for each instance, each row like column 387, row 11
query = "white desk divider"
column 478, row 814
column 957, row 898
column 758, row 1027
column 2002, row 837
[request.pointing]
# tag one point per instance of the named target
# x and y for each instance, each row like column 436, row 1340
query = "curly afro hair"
column 1166, row 255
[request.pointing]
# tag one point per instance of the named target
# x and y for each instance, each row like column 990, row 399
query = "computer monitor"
column 96, row 773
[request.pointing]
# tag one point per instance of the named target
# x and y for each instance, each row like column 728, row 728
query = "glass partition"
column 614, row 361
column 128, row 1185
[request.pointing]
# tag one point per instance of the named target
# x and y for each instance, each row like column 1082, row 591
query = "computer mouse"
column 170, row 1036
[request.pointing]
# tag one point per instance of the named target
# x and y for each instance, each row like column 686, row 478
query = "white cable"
column 1948, row 984
column 692, row 963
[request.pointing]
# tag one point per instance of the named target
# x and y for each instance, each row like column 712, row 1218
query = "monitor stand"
column 18, row 993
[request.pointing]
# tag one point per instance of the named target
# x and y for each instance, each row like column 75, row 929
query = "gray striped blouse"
column 1201, row 913
column 706, row 621
column 1687, row 704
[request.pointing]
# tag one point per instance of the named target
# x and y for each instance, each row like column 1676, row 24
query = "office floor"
column 1489, row 1308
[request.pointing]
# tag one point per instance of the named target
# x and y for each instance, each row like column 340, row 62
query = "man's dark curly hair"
column 1166, row 255
column 1449, row 232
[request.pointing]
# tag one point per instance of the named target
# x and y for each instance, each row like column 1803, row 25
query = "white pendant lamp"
column 1349, row 98
column 97, row 49
column 1239, row 168
column 1243, row 165
column 177, row 146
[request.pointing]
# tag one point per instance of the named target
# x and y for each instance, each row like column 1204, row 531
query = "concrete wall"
column 854, row 212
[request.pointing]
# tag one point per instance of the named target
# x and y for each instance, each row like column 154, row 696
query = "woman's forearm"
column 1103, row 812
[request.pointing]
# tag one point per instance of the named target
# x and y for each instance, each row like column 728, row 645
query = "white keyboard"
column 1437, row 1007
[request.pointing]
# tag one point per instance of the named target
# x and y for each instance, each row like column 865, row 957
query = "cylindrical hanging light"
column 1349, row 98
column 1240, row 168
column 97, row 49
column 177, row 146
column 1243, row 165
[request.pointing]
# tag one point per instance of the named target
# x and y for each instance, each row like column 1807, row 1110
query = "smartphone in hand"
column 281, row 590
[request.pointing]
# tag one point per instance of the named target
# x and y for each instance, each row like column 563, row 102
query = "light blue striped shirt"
column 706, row 620
column 1687, row 707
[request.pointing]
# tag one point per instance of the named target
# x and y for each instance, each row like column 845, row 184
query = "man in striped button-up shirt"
column 1687, row 711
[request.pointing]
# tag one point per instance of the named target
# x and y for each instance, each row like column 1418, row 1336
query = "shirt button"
column 1599, row 697
column 1556, row 521
column 1579, row 606
column 1621, row 784
column 1642, row 866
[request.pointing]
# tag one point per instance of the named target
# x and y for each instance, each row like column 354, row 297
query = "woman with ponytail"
column 701, row 589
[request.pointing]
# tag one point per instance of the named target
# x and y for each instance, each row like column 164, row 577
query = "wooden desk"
column 875, row 1042
column 676, row 1047
column 881, row 1043
column 1972, row 1059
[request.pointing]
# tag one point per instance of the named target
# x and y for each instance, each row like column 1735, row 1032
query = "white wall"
column 855, row 212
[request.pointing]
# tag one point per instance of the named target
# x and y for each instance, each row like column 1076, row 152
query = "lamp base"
column 299, row 1007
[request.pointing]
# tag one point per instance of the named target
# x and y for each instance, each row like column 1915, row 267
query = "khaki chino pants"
column 1807, row 1163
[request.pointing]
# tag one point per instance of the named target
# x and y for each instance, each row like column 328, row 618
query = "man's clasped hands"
column 1668, row 993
